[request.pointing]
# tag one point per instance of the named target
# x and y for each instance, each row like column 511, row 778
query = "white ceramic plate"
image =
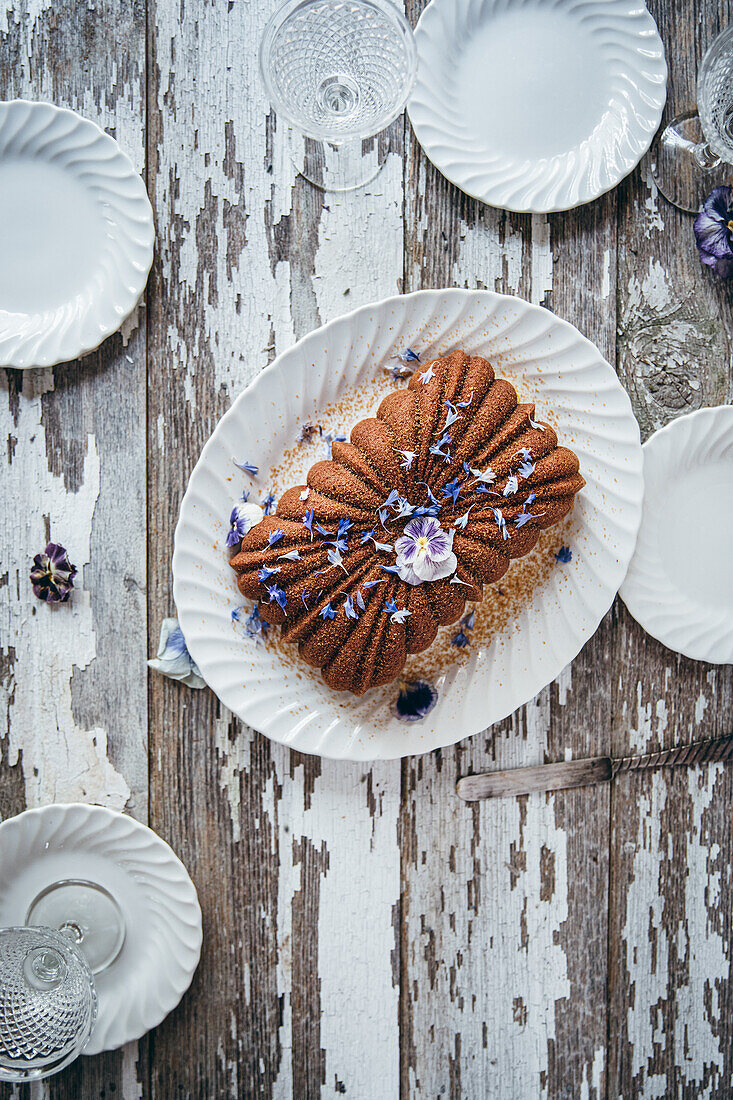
column 77, row 235
column 680, row 582
column 537, row 105
column 150, row 884
column 575, row 389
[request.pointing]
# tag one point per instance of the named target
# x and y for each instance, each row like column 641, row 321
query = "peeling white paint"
column 654, row 219
column 490, row 254
column 541, row 259
column 606, row 275
column 62, row 762
column 132, row 1088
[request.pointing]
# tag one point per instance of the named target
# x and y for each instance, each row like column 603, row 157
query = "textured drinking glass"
column 338, row 71
column 48, row 1003
column 694, row 153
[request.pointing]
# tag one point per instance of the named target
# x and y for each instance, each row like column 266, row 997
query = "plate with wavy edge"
column 537, row 105
column 152, row 887
column 680, row 583
column 549, row 362
column 77, row 235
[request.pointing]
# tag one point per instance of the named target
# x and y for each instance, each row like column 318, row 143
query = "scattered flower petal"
column 564, row 555
column 427, row 376
column 173, row 658
column 327, row 612
column 274, row 536
column 461, row 640
column 276, row 594
column 248, row 467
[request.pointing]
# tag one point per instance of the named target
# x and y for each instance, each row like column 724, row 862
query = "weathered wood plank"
column 296, row 859
column 670, row 943
column 500, row 994
column 74, row 680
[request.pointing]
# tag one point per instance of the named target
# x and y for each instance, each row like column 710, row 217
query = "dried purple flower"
column 461, row 640
column 415, row 700
column 52, row 575
column 564, row 555
column 714, row 231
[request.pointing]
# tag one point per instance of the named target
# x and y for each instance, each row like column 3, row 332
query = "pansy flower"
column 714, row 231
column 242, row 519
column 173, row 658
column 425, row 552
column 52, row 575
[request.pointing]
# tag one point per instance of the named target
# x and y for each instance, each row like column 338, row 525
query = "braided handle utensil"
column 599, row 769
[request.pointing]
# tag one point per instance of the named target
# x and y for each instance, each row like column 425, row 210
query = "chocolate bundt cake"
column 428, row 502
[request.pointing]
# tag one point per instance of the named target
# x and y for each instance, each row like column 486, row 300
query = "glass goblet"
column 48, row 1003
column 339, row 72
column 694, row 153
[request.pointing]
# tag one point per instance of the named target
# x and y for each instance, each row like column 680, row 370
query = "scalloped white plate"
column 574, row 388
column 680, row 582
column 537, row 105
column 77, row 236
column 150, row 884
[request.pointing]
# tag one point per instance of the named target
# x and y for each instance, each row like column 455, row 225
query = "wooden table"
column 367, row 934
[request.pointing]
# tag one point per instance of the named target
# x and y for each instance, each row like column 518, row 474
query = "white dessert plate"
column 537, row 105
column 680, row 582
column 151, row 886
column 574, row 388
column 77, row 235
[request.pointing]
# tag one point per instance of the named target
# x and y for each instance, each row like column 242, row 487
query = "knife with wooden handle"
column 582, row 773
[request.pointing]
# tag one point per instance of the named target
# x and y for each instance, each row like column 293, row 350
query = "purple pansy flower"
column 52, row 575
column 173, row 658
column 242, row 520
column 425, row 552
column 714, row 231
column 416, row 699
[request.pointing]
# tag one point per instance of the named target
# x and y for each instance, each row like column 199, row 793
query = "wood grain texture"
column 296, row 859
column 366, row 932
column 74, row 677
column 670, row 934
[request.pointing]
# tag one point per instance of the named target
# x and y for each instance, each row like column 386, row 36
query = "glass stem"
column 704, row 157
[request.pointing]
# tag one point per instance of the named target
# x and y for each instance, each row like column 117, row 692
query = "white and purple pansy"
column 242, row 519
column 425, row 552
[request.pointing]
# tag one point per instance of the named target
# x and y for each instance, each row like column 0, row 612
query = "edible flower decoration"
column 173, row 658
column 243, row 518
column 714, row 231
column 248, row 467
column 415, row 700
column 425, row 552
column 564, row 555
column 52, row 575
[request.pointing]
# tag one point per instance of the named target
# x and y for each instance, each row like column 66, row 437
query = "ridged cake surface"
column 454, row 457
